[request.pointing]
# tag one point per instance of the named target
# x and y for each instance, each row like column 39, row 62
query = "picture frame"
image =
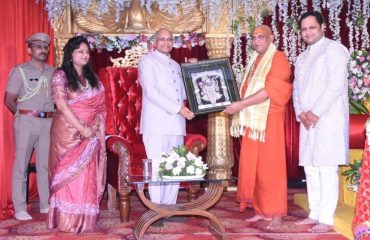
column 210, row 85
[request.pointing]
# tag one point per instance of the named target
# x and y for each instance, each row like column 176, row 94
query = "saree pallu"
column 361, row 221
column 77, row 166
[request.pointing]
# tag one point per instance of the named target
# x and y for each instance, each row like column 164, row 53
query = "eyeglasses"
column 45, row 47
column 162, row 39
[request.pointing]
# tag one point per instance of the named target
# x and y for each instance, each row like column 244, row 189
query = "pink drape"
column 19, row 19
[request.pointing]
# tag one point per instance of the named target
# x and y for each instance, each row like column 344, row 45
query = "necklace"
column 85, row 88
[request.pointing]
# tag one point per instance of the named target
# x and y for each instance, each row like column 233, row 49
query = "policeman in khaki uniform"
column 28, row 96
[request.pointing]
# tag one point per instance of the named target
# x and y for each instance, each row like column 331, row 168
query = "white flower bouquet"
column 358, row 71
column 180, row 162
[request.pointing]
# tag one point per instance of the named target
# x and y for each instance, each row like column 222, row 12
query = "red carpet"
column 195, row 228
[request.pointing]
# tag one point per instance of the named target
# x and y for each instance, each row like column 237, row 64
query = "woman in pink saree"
column 77, row 161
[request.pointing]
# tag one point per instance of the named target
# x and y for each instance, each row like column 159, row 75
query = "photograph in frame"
column 210, row 85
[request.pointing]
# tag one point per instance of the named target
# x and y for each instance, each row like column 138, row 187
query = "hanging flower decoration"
column 358, row 71
column 110, row 43
column 284, row 15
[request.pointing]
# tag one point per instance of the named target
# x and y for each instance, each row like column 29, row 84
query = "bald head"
column 263, row 29
column 262, row 38
column 161, row 32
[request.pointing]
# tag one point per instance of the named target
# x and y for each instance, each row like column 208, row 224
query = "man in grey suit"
column 163, row 113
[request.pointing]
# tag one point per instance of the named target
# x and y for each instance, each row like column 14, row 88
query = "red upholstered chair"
column 125, row 148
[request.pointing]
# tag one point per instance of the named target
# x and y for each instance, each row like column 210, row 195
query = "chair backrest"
column 123, row 97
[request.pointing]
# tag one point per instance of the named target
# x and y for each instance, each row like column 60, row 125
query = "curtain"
column 19, row 19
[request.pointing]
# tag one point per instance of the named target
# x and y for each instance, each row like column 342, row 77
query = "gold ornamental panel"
column 137, row 19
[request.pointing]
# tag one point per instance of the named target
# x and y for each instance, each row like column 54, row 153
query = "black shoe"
column 177, row 219
column 158, row 223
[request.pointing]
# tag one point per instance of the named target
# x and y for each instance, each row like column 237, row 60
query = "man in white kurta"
column 320, row 97
column 163, row 113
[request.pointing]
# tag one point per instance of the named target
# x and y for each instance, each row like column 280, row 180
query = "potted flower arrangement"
column 358, row 71
column 353, row 175
column 180, row 163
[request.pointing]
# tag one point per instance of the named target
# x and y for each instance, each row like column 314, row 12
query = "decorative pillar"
column 220, row 157
column 216, row 46
column 59, row 44
column 62, row 33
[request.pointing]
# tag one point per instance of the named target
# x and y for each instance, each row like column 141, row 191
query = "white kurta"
column 321, row 86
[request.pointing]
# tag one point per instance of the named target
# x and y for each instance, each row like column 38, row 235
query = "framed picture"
column 210, row 85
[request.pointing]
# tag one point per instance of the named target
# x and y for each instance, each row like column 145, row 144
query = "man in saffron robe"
column 265, row 91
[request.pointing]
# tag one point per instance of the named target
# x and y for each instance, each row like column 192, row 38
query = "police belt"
column 38, row 114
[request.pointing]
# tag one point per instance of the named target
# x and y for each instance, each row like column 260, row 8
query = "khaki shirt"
column 42, row 101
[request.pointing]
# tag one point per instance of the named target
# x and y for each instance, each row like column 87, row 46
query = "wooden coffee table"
column 197, row 207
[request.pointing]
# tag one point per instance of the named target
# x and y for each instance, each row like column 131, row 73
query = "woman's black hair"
column 67, row 65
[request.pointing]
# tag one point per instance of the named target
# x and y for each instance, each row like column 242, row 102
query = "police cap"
column 43, row 37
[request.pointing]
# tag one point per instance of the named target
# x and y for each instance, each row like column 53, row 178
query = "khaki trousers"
column 30, row 133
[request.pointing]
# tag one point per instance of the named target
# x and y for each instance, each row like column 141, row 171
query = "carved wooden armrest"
column 122, row 149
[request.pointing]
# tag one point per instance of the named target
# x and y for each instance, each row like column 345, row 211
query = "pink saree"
column 361, row 221
column 77, row 166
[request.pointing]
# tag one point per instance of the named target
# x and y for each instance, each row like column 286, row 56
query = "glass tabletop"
column 136, row 179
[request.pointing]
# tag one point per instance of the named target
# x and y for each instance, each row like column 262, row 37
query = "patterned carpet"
column 195, row 228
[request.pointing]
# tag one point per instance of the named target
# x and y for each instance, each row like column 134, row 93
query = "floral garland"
column 214, row 9
column 110, row 43
column 335, row 7
column 275, row 31
column 237, row 65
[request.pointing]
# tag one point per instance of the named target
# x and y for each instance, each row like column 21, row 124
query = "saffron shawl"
column 255, row 117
